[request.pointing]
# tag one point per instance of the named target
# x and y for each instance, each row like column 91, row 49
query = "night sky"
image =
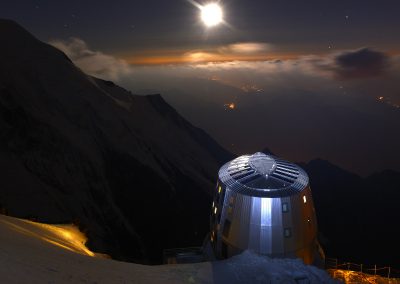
column 163, row 31
column 306, row 79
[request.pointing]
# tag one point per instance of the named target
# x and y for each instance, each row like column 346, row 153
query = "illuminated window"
column 287, row 233
column 304, row 199
column 219, row 189
column 285, row 207
column 215, row 210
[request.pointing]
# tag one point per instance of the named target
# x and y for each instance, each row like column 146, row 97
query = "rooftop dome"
column 263, row 176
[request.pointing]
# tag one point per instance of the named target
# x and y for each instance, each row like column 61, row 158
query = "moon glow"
column 211, row 14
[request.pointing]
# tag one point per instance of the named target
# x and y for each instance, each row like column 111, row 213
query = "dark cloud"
column 360, row 63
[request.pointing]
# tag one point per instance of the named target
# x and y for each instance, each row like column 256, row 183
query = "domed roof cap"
column 263, row 175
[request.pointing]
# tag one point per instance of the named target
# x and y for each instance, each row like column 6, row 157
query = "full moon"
column 211, row 14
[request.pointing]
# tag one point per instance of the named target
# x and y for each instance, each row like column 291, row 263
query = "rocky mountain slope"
column 129, row 170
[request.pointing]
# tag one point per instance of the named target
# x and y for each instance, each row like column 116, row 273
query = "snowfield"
column 38, row 253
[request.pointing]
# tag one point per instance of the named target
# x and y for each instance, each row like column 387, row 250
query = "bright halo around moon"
column 211, row 14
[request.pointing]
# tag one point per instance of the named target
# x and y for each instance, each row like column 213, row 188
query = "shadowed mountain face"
column 358, row 217
column 128, row 169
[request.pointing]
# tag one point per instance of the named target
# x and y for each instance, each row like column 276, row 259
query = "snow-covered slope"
column 27, row 256
column 128, row 169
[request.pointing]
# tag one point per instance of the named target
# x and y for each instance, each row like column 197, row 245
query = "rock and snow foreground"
column 37, row 253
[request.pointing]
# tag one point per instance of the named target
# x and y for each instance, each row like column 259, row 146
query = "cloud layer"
column 348, row 68
column 341, row 106
column 92, row 62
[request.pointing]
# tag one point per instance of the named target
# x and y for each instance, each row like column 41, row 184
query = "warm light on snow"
column 348, row 276
column 64, row 236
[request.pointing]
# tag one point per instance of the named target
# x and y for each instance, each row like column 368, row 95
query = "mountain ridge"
column 77, row 148
column 356, row 214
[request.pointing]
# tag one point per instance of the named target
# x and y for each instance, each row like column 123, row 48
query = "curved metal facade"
column 263, row 204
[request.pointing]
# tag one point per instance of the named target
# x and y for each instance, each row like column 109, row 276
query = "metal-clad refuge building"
column 264, row 204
